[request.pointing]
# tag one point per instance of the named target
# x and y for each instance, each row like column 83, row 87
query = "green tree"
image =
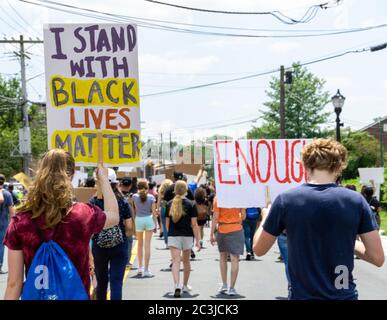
column 363, row 151
column 305, row 100
column 10, row 122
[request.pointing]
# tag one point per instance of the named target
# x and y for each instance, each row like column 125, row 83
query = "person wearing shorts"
column 182, row 226
column 231, row 239
column 145, row 210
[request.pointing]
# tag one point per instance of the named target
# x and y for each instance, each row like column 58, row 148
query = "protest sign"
column 371, row 174
column 84, row 194
column 158, row 178
column 92, row 87
column 246, row 171
column 23, row 179
column 78, row 178
column 373, row 177
column 190, row 178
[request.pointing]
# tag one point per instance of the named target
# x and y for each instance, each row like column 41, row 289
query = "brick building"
column 374, row 129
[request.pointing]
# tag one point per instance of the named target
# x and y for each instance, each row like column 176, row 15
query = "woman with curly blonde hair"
column 49, row 213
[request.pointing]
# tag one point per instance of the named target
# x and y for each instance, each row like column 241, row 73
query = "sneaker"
column 222, row 289
column 248, row 257
column 231, row 292
column 177, row 293
column 187, row 288
column 140, row 271
column 3, row 272
column 148, row 274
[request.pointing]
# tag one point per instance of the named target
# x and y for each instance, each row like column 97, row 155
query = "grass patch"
column 383, row 218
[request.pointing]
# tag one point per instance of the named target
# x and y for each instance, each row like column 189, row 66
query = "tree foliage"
column 305, row 100
column 363, row 152
column 11, row 121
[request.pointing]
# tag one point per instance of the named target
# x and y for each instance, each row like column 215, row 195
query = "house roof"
column 372, row 124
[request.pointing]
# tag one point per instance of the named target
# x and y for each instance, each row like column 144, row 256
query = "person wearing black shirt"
column 170, row 193
column 368, row 193
column 182, row 226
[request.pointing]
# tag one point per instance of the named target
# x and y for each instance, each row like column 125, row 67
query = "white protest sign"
column 191, row 178
column 92, row 87
column 373, row 177
column 369, row 174
column 244, row 168
column 159, row 178
column 78, row 178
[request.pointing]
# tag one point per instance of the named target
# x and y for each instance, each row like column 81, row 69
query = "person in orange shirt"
column 230, row 238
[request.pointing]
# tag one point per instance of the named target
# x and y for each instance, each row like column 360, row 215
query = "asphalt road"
column 261, row 279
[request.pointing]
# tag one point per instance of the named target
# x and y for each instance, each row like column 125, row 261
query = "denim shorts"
column 145, row 223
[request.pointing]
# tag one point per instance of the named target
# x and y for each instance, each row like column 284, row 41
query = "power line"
column 258, row 74
column 95, row 14
column 310, row 13
column 22, row 19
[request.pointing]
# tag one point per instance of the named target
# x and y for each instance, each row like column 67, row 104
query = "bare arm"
column 110, row 201
column 1, row 197
column 15, row 275
column 243, row 214
column 214, row 223
column 199, row 175
column 154, row 215
column 195, row 229
column 167, row 223
column 263, row 240
column 370, row 249
column 11, row 211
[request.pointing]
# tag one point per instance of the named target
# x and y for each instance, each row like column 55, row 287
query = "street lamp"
column 338, row 101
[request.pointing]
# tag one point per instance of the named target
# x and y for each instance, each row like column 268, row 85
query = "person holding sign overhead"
column 322, row 221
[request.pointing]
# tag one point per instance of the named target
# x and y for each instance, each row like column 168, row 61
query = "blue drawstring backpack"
column 52, row 276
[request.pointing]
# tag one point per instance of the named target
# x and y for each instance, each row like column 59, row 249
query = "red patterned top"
column 72, row 235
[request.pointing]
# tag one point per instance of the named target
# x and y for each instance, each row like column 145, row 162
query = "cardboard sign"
column 246, row 171
column 92, row 87
column 23, row 179
column 84, row 194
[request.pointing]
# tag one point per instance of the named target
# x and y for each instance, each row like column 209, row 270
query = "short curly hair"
column 324, row 154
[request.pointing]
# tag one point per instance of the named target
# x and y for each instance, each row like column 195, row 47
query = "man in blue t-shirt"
column 322, row 221
column 6, row 209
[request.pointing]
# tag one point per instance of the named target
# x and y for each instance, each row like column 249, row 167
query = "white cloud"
column 173, row 63
column 284, row 47
column 385, row 84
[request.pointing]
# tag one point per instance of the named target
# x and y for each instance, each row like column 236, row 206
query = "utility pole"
column 24, row 132
column 381, row 127
column 161, row 149
column 282, row 103
column 170, row 146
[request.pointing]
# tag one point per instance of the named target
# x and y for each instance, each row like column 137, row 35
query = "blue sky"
column 169, row 60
